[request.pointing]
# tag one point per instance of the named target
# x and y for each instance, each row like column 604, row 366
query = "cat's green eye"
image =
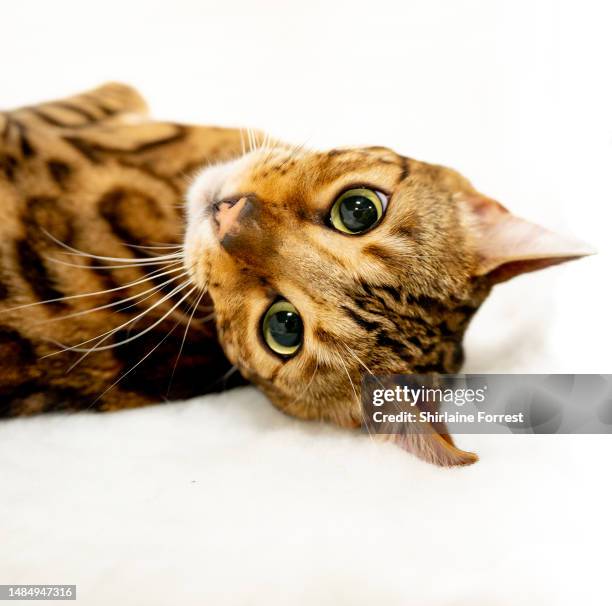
column 282, row 328
column 357, row 210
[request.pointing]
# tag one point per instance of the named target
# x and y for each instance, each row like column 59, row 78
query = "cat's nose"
column 226, row 214
column 245, row 228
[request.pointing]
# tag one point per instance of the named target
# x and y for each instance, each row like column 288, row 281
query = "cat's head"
column 323, row 266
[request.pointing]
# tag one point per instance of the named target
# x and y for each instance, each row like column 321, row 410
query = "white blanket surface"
column 223, row 500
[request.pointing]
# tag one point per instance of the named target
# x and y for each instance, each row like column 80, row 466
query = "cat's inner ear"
column 507, row 245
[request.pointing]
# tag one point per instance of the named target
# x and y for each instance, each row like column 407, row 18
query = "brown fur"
column 396, row 299
column 95, row 174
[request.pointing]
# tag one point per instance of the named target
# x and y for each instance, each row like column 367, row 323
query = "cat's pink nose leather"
column 226, row 215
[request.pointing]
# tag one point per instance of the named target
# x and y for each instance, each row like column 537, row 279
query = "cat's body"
column 93, row 173
column 321, row 266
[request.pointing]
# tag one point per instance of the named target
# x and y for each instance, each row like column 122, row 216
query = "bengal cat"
column 320, row 266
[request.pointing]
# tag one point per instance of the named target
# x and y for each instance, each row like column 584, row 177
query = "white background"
column 517, row 96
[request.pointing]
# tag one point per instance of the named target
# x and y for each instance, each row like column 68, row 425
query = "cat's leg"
column 105, row 105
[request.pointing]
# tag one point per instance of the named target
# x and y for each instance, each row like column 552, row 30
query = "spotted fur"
column 396, row 299
column 93, row 174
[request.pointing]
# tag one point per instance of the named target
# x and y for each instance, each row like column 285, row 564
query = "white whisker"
column 348, row 375
column 137, row 261
column 350, row 351
column 168, row 263
column 108, row 336
column 305, row 390
column 149, row 328
column 99, row 292
column 76, row 251
column 195, row 307
column 240, row 130
column 160, row 247
column 135, row 365
column 152, row 290
column 79, row 347
column 228, row 374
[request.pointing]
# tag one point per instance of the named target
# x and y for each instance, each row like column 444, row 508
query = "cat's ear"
column 433, row 447
column 507, row 245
